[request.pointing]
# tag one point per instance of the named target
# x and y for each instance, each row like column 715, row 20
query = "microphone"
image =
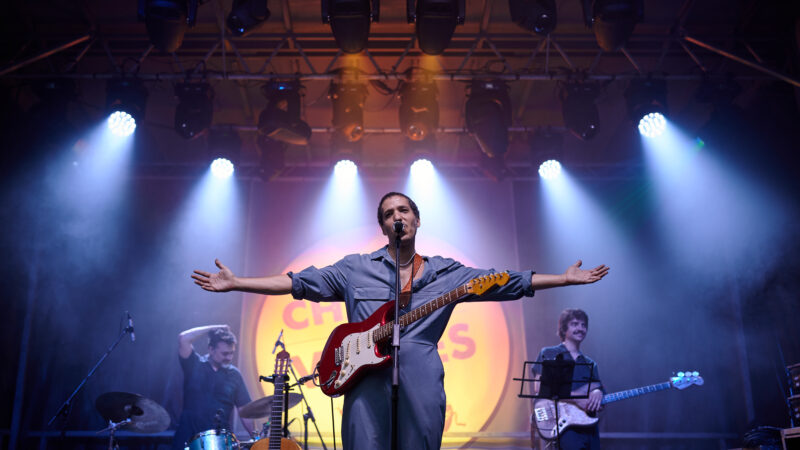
column 398, row 226
column 278, row 343
column 130, row 327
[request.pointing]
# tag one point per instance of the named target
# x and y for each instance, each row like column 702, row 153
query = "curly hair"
column 218, row 335
column 566, row 316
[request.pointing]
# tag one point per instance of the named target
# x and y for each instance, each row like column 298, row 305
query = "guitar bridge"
column 337, row 356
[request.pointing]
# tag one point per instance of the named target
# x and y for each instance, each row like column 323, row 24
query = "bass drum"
column 213, row 440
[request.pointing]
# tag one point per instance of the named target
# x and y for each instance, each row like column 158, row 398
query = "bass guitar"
column 355, row 348
column 571, row 412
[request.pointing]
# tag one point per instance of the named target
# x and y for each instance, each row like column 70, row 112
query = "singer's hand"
column 576, row 275
column 223, row 281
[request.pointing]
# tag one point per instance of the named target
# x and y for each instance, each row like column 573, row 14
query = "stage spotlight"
column 348, row 96
column 350, row 21
column 246, row 16
column 421, row 168
column 224, row 147
column 436, row 21
column 546, row 148
column 613, row 21
column 652, row 125
column 166, row 21
column 280, row 120
column 550, row 169
column 419, row 108
column 195, row 109
column 125, row 103
column 647, row 105
column 488, row 116
column 342, row 149
column 425, row 150
column 579, row 109
column 345, row 168
column 121, row 123
column 272, row 155
column 222, row 168
column 538, row 16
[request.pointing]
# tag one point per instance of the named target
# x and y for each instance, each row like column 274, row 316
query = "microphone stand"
column 308, row 414
column 66, row 407
column 396, row 344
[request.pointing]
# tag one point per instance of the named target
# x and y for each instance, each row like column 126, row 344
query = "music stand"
column 555, row 379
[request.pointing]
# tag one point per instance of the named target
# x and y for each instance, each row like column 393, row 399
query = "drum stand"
column 113, row 426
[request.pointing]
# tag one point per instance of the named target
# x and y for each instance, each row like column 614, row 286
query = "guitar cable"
column 333, row 425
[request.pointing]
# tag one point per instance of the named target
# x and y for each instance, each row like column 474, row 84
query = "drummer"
column 212, row 385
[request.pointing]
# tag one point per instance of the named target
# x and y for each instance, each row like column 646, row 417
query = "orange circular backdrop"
column 475, row 347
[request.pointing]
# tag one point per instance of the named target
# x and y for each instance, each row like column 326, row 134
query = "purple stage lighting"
column 222, row 168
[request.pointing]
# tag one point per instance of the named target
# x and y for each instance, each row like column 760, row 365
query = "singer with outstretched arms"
column 365, row 282
column 212, row 385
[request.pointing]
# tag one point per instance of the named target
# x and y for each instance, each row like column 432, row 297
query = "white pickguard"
column 568, row 415
column 357, row 350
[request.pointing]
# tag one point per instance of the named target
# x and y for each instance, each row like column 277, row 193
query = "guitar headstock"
column 682, row 380
column 482, row 284
column 281, row 364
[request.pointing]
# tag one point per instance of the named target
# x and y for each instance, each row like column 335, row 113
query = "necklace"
column 409, row 260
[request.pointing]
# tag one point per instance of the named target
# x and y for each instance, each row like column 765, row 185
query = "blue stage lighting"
column 646, row 101
column 652, row 125
column 421, row 166
column 125, row 103
column 222, row 168
column 121, row 123
column 345, row 168
column 550, row 169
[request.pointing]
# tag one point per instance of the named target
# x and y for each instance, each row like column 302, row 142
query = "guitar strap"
column 405, row 294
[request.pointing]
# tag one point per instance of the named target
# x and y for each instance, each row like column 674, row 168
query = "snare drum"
column 213, row 440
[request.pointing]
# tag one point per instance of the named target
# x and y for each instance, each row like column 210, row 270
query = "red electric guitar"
column 355, row 348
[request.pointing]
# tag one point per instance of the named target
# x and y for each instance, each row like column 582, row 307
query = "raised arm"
column 225, row 281
column 186, row 338
column 573, row 275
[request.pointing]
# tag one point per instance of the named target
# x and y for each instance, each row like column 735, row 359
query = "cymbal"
column 146, row 415
column 262, row 407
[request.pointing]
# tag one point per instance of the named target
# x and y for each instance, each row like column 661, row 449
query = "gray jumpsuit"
column 365, row 282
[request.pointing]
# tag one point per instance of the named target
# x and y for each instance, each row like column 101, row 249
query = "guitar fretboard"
column 385, row 331
column 276, row 414
column 630, row 393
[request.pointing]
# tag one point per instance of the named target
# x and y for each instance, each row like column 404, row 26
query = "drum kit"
column 139, row 414
column 132, row 412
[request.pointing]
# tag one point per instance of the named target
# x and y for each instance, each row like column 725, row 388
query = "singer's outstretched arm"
column 186, row 338
column 225, row 280
column 573, row 275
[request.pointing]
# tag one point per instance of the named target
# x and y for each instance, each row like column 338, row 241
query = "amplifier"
column 791, row 438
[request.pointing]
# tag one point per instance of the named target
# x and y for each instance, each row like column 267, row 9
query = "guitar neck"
column 385, row 331
column 631, row 393
column 276, row 415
